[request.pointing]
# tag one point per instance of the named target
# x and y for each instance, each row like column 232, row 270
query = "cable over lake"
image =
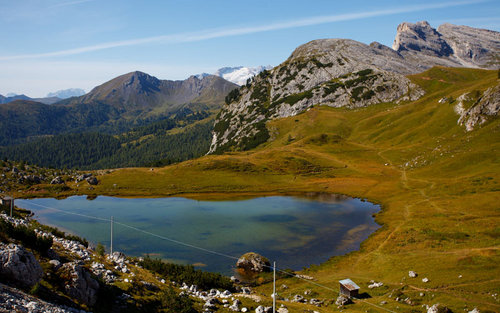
column 293, row 231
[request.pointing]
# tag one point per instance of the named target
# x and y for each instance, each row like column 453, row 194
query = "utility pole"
column 111, row 248
column 11, row 205
column 274, row 287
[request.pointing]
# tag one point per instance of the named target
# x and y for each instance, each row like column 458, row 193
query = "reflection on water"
column 295, row 232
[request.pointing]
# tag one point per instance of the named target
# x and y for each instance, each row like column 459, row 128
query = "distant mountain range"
column 13, row 97
column 51, row 98
column 127, row 101
column 67, row 93
column 238, row 75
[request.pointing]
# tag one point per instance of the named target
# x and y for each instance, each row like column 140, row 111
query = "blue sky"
column 47, row 45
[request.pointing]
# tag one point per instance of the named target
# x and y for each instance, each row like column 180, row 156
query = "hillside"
column 346, row 73
column 437, row 183
column 132, row 120
column 128, row 101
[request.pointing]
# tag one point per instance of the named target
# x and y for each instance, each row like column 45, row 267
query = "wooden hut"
column 7, row 201
column 348, row 288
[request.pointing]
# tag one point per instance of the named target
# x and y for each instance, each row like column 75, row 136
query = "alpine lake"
column 295, row 232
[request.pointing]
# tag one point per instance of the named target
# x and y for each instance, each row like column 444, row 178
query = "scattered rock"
column 55, row 263
column 57, row 181
column 299, row 299
column 263, row 309
column 316, row 302
column 438, row 308
column 425, row 280
column 282, row 309
column 19, row 265
column 412, row 274
column 375, row 285
column 235, row 306
column 254, row 262
column 475, row 310
column 342, row 300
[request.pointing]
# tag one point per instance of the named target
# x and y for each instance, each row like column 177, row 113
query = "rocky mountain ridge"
column 131, row 100
column 11, row 98
column 347, row 73
column 67, row 93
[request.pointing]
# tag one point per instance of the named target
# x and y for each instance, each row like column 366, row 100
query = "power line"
column 201, row 249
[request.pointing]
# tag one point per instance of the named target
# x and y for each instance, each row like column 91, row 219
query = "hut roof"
column 349, row 284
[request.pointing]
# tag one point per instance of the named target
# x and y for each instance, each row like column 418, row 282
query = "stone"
column 412, row 274
column 425, row 280
column 438, row 308
column 282, row 309
column 263, row 309
column 375, row 285
column 117, row 257
column 244, row 309
column 342, row 300
column 80, row 284
column 19, row 265
column 253, row 262
column 315, row 302
column 475, row 310
column 299, row 298
column 55, row 263
column 92, row 180
column 57, row 181
column 235, row 306
column 211, row 303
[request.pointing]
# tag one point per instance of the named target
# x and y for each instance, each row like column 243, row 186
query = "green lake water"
column 293, row 231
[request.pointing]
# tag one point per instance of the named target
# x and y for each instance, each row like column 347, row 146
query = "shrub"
column 99, row 250
column 187, row 274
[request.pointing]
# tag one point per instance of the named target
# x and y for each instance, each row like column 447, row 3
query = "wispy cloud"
column 68, row 3
column 237, row 31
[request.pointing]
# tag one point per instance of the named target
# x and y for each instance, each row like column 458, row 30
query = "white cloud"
column 220, row 33
column 64, row 4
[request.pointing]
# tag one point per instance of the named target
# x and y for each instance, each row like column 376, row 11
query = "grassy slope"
column 438, row 186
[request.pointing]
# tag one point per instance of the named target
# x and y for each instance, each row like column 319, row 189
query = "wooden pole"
column 111, row 246
column 274, row 287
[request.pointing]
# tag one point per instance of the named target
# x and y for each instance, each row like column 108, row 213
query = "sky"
column 49, row 45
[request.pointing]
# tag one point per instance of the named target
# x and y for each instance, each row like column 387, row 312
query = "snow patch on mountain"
column 238, row 75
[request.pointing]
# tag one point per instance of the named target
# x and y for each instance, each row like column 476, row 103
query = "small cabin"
column 348, row 288
column 7, row 201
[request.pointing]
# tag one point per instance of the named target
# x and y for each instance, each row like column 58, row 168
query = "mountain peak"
column 420, row 37
column 67, row 93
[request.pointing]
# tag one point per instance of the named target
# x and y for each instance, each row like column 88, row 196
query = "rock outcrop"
column 347, row 73
column 253, row 262
column 476, row 109
column 80, row 284
column 13, row 300
column 449, row 45
column 19, row 265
